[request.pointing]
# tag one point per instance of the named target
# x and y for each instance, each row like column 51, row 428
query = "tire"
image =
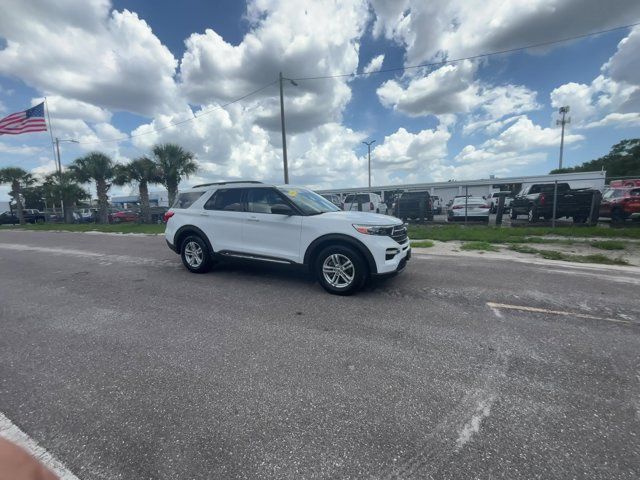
column 579, row 219
column 513, row 215
column 617, row 216
column 195, row 254
column 532, row 215
column 353, row 270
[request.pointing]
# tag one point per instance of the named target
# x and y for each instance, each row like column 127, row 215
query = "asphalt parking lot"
column 123, row 365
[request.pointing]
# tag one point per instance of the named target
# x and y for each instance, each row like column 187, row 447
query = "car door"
column 222, row 219
column 267, row 234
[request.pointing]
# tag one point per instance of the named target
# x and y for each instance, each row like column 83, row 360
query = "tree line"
column 622, row 161
column 167, row 164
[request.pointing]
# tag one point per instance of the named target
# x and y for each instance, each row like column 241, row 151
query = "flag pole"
column 56, row 160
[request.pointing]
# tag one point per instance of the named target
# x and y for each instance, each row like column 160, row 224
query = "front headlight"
column 374, row 229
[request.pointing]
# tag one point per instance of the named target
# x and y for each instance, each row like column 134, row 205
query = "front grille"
column 399, row 233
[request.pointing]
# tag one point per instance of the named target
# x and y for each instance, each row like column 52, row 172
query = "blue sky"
column 111, row 69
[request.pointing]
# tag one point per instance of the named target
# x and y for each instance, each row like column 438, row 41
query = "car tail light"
column 167, row 216
column 485, row 206
column 542, row 198
column 457, row 207
column 371, row 207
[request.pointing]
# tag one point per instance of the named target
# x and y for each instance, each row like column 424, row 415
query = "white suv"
column 287, row 225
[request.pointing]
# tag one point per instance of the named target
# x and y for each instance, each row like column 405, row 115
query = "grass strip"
column 483, row 246
column 493, row 234
column 423, row 244
column 567, row 257
column 608, row 245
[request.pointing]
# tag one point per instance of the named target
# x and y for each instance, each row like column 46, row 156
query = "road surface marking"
column 524, row 308
column 10, row 431
column 473, row 426
column 102, row 258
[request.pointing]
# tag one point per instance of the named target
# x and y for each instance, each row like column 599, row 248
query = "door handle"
column 253, row 219
column 204, row 214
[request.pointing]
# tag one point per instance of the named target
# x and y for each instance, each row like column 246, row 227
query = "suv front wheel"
column 340, row 270
column 195, row 254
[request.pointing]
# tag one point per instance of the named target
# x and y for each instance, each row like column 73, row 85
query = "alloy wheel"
column 193, row 254
column 338, row 270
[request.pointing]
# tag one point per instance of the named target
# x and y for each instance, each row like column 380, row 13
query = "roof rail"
column 225, row 183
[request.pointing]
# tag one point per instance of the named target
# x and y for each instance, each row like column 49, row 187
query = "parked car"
column 494, row 198
column 123, row 216
column 475, row 209
column 621, row 203
column 285, row 225
column 333, row 198
column 30, row 216
column 536, row 201
column 414, row 205
column 371, row 202
column 85, row 215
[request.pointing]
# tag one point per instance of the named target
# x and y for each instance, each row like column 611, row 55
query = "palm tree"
column 174, row 163
column 17, row 178
column 56, row 187
column 98, row 167
column 144, row 171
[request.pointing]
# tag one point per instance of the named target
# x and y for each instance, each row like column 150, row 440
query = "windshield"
column 309, row 202
column 613, row 193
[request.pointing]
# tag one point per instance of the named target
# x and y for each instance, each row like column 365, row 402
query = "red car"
column 123, row 216
column 620, row 203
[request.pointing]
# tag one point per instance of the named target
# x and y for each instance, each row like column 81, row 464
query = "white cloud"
column 455, row 28
column 81, row 51
column 451, row 89
column 521, row 144
column 302, row 38
column 374, row 65
column 60, row 107
column 613, row 97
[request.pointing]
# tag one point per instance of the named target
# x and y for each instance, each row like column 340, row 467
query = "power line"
column 472, row 57
column 190, row 119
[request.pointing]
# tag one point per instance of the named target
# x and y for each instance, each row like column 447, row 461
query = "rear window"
column 185, row 200
column 362, row 198
column 229, row 200
column 415, row 194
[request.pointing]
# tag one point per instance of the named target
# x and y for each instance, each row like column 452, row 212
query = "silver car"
column 473, row 208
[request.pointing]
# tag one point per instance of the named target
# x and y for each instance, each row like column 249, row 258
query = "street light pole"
column 368, row 144
column 563, row 111
column 59, row 167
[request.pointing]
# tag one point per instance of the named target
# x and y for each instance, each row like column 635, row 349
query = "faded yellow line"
column 524, row 308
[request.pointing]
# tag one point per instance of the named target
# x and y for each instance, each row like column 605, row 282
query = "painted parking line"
column 496, row 307
column 11, row 432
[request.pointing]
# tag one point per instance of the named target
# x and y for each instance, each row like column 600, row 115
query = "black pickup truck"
column 414, row 205
column 30, row 216
column 536, row 201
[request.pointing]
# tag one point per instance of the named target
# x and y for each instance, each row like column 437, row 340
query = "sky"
column 119, row 74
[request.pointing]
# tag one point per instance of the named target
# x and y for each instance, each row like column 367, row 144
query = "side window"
column 185, row 200
column 635, row 193
column 229, row 200
column 260, row 200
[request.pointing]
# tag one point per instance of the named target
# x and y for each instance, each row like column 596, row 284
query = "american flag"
column 30, row 120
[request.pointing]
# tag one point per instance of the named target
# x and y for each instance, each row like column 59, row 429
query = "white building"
column 156, row 199
column 448, row 190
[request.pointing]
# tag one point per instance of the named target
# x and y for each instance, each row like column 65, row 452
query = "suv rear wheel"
column 196, row 255
column 340, row 270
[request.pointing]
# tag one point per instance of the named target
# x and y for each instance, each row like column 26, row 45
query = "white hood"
column 364, row 218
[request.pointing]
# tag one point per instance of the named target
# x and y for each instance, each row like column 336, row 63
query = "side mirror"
column 282, row 209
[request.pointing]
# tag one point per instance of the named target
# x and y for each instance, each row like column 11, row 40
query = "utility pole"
column 284, row 135
column 368, row 144
column 563, row 111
